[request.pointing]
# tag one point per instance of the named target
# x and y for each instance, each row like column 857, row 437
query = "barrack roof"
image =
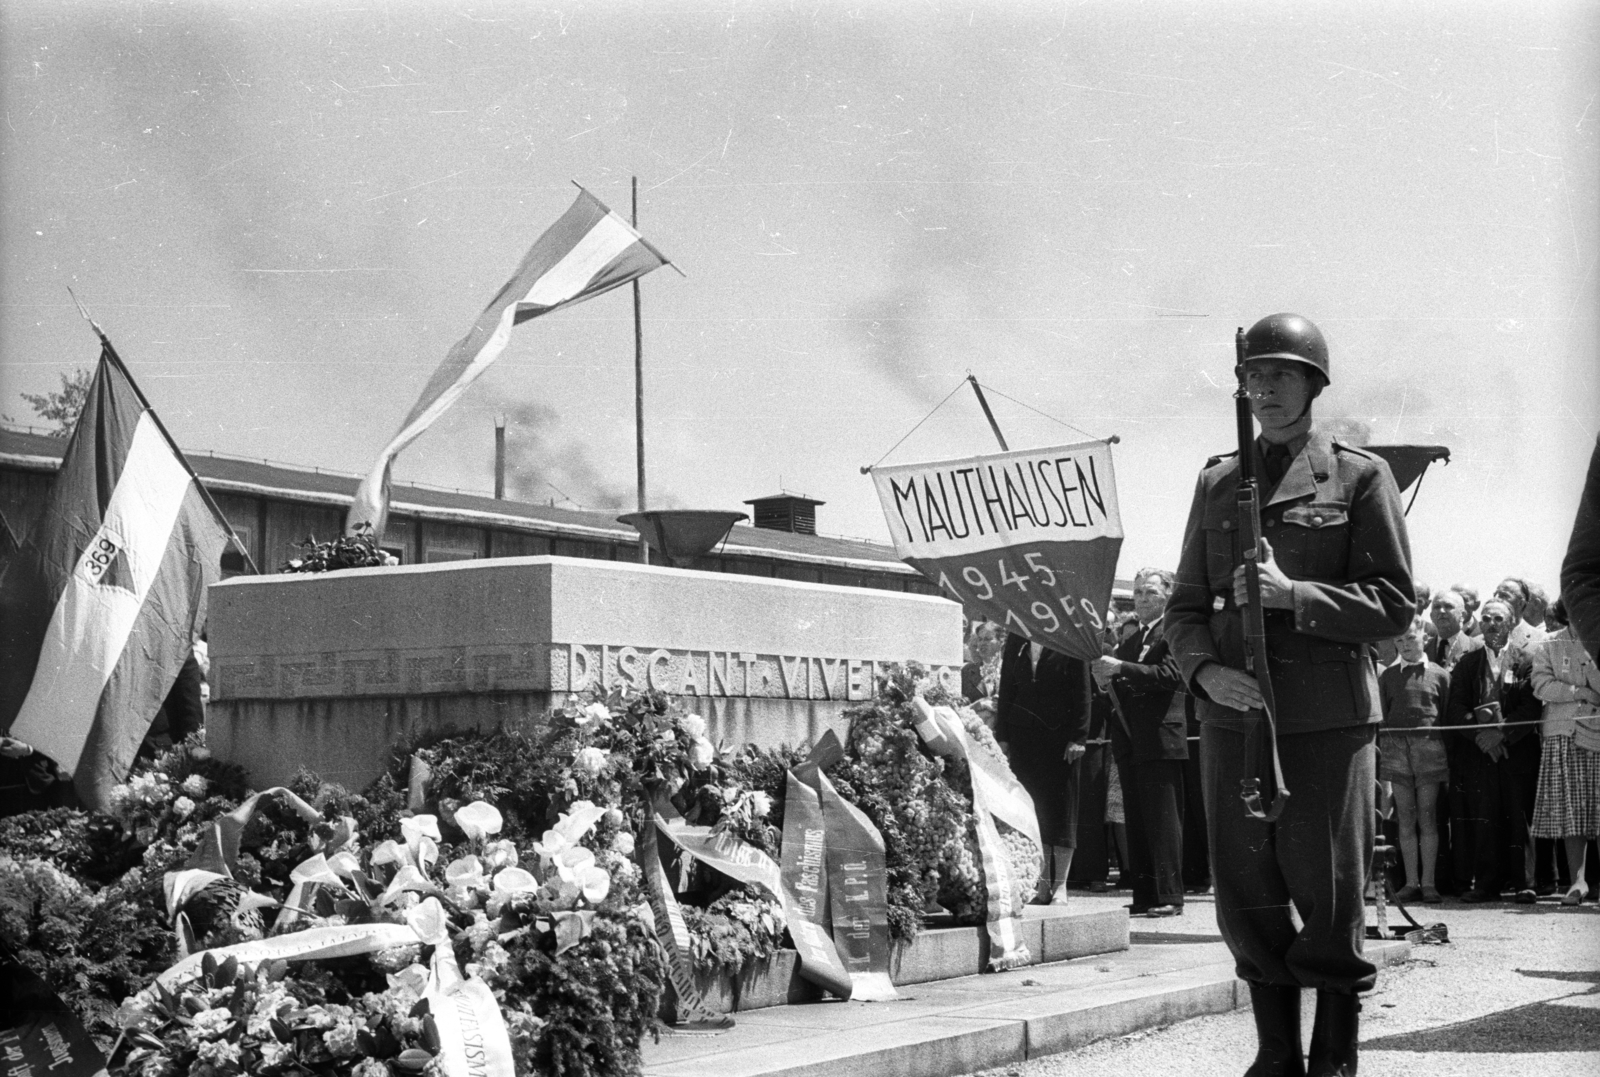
column 290, row 482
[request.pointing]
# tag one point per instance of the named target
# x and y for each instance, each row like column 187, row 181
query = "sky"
column 284, row 214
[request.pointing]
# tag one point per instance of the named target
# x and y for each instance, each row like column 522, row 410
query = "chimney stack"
column 499, row 457
column 786, row 512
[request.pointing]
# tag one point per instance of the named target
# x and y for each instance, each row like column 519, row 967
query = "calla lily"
column 417, row 827
column 500, row 854
column 344, row 864
column 515, row 881
column 596, row 883
column 466, row 872
column 407, row 878
column 315, row 870
column 479, row 820
column 428, row 921
column 575, row 857
column 427, row 853
column 579, row 819
column 580, row 875
column 392, row 852
column 551, row 846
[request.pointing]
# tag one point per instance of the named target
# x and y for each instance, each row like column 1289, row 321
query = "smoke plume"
column 541, row 466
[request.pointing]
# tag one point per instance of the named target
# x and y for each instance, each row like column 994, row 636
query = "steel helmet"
column 1288, row 336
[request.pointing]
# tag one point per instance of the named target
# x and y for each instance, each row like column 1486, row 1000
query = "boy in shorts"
column 1413, row 693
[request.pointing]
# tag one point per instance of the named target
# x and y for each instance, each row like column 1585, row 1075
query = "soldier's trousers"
column 1314, row 857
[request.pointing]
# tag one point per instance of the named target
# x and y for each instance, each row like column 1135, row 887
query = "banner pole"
column 987, row 414
column 638, row 385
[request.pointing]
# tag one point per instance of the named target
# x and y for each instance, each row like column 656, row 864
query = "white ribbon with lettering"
column 996, row 794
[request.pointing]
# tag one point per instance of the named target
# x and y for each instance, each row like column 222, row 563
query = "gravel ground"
column 1515, row 992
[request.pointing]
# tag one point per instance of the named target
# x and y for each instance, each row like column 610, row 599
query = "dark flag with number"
column 1028, row 539
column 99, row 604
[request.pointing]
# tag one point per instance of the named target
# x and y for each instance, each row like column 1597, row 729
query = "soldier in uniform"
column 1335, row 579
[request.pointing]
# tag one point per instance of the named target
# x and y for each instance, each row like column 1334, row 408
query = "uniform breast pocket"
column 1222, row 548
column 1317, row 539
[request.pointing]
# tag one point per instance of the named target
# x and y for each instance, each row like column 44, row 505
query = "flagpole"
column 110, row 354
column 638, row 384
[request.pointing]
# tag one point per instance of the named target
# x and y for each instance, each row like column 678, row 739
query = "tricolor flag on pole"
column 588, row 251
column 99, row 605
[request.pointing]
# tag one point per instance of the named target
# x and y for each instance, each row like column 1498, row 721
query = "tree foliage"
column 63, row 407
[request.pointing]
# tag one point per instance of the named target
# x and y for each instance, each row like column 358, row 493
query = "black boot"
column 1277, row 1013
column 1334, row 1034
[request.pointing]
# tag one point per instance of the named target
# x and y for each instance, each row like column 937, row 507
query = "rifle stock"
column 1255, row 626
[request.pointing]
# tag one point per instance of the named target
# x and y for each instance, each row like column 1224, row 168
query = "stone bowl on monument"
column 681, row 535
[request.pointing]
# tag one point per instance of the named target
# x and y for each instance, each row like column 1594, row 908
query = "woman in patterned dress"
column 1567, row 805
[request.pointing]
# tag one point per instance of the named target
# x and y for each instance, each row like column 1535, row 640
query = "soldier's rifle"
column 1255, row 625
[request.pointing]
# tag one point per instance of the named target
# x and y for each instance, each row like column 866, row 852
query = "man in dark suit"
column 1042, row 722
column 1448, row 612
column 1149, row 740
column 1494, row 769
column 1091, row 862
column 1335, row 578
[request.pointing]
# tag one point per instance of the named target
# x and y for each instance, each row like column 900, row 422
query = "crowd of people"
column 1489, row 752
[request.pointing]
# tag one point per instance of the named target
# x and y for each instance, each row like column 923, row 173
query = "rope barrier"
column 1410, row 729
column 1449, row 728
column 1438, row 728
column 1415, row 728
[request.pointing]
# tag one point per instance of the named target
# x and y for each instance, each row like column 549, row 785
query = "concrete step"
column 937, row 953
column 957, row 1026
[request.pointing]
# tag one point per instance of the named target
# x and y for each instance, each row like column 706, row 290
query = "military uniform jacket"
column 1337, row 529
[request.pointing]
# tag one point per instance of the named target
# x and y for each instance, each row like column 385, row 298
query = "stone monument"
column 329, row 670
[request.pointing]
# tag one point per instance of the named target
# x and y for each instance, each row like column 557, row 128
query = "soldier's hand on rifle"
column 11, row 748
column 1233, row 688
column 1277, row 590
column 1074, row 751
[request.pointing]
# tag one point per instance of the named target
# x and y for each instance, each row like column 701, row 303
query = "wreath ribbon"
column 996, row 795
